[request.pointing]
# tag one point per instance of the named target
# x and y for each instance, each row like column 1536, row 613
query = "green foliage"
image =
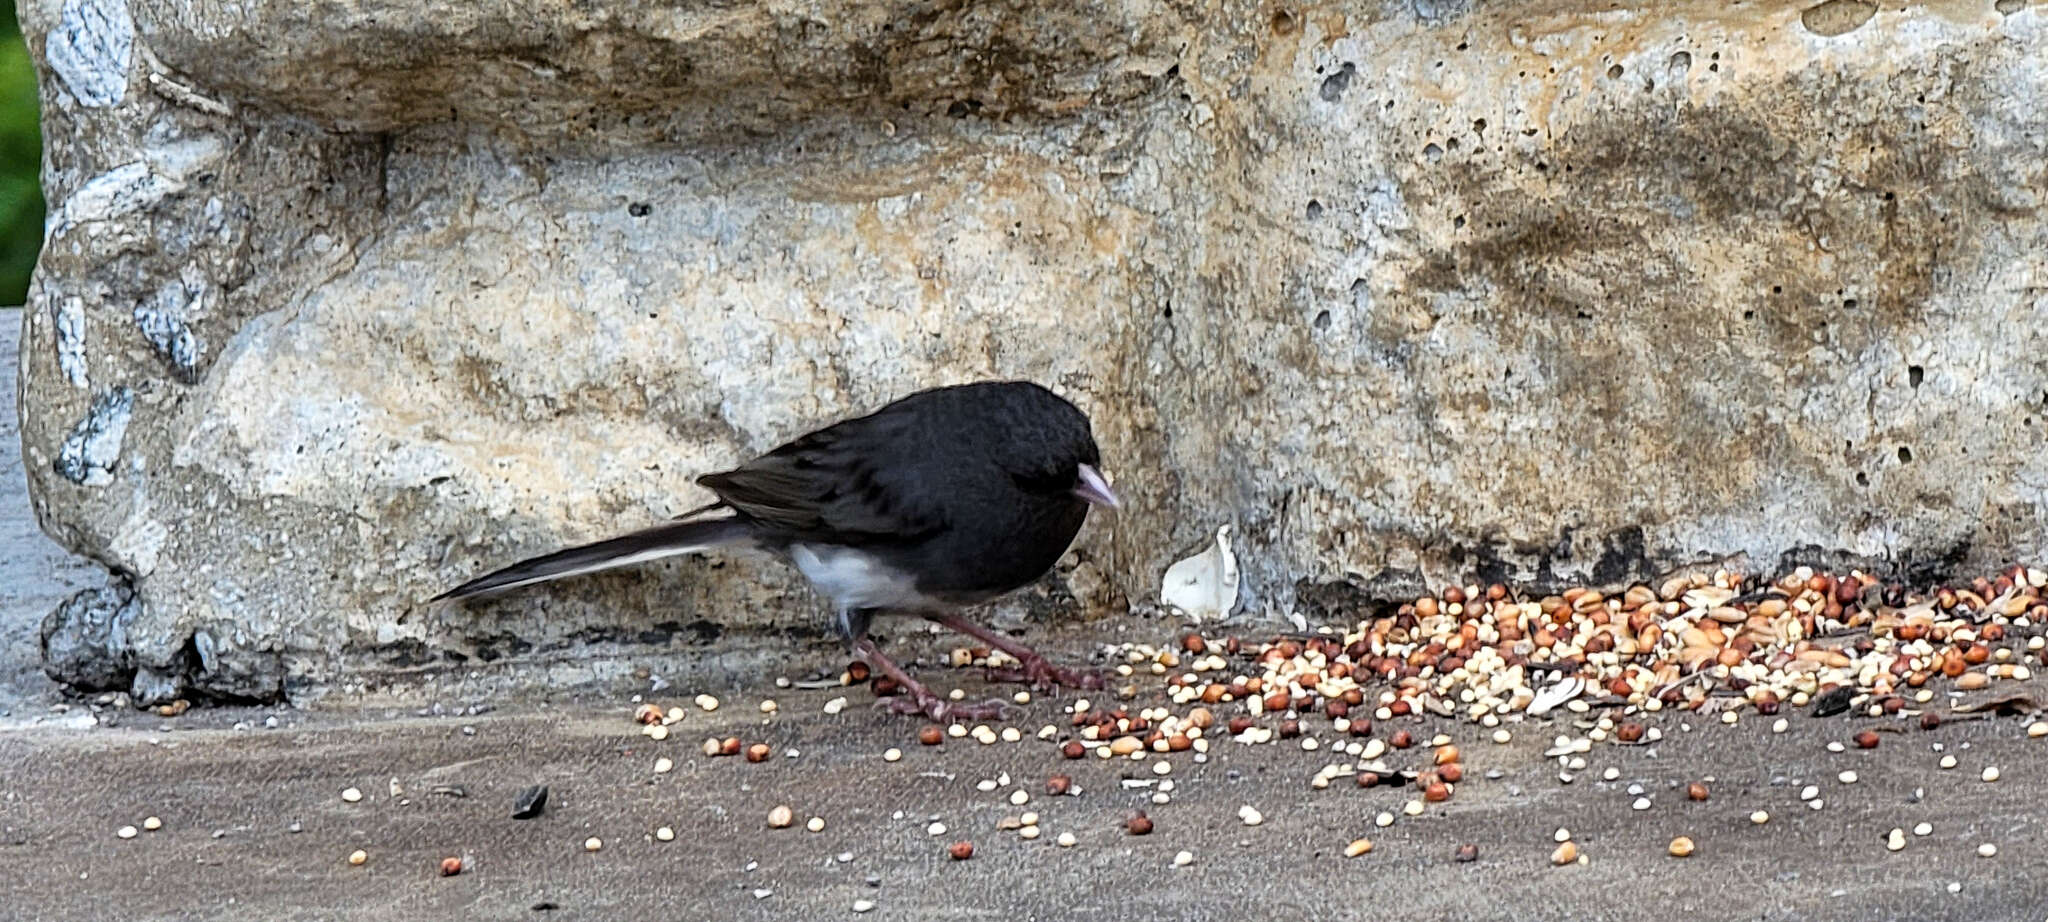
column 21, row 147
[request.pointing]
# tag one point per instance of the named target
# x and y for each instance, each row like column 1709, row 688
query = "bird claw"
column 1044, row 676
column 937, row 708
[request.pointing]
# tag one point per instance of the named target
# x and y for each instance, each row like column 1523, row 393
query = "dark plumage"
column 943, row 499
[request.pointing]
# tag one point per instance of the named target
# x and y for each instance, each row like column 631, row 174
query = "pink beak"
column 1095, row 489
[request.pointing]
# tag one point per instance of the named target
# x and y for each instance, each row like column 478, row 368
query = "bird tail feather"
column 665, row 540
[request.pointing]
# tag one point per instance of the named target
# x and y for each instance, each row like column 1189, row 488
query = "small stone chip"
column 530, row 802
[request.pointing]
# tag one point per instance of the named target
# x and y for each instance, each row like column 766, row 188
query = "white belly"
column 855, row 580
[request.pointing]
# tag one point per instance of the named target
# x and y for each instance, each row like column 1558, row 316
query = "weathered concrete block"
column 343, row 302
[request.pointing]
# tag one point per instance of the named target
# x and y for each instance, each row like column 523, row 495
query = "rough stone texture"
column 344, row 302
column 35, row 574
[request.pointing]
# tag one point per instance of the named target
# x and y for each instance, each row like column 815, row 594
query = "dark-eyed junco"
column 943, row 499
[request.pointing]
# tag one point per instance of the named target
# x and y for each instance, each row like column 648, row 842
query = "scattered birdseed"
column 1809, row 792
column 1948, row 762
column 1990, row 773
column 125, row 832
column 1012, row 735
column 1502, row 736
column 835, row 705
column 152, row 824
column 1611, row 773
column 768, row 706
column 1923, row 829
column 350, row 795
column 665, row 834
column 1067, row 840
column 1641, row 803
column 592, row 844
column 1561, row 835
column 1896, row 840
column 780, row 816
column 1987, row 850
column 1383, row 820
column 935, row 829
column 1250, row 815
column 863, row 905
column 1680, row 847
column 815, row 824
column 1779, row 725
column 956, row 731
column 1413, row 808
column 892, row 754
column 707, row 703
column 1357, row 847
column 357, row 857
column 663, row 765
column 1759, row 817
column 1019, row 798
column 1566, row 853
column 1183, row 859
column 1847, row 777
column 2037, row 729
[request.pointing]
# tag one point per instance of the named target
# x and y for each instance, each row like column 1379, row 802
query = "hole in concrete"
column 1914, row 374
column 1314, row 210
column 1335, row 84
column 1432, row 153
column 1682, row 61
column 1905, row 455
column 1862, row 479
column 1323, row 320
column 1614, row 72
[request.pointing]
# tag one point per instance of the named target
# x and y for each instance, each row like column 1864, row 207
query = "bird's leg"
column 1037, row 670
column 916, row 698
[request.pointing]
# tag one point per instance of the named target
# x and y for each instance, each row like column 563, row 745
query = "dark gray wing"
column 853, row 483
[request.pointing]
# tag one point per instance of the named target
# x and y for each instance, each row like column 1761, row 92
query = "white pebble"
column 1923, row 829
column 1028, row 832
column 863, row 905
column 935, row 829
column 1897, row 839
column 1502, row 736
column 1948, row 761
column 1413, row 808
column 351, row 795
column 1012, row 735
column 1836, row 746
column 665, row 834
column 1162, row 767
column 2037, row 729
column 1759, row 817
column 1018, row 798
column 1250, row 815
column 1642, row 803
column 1809, row 792
column 1028, row 819
column 664, row 765
column 1779, row 726
column 1986, row 850
column 985, row 785
column 1846, row 777
column 1383, row 820
column 1561, row 835
column 1611, row 773
column 125, row 832
column 835, row 705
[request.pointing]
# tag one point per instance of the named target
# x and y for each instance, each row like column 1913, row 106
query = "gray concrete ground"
column 35, row 574
column 254, row 827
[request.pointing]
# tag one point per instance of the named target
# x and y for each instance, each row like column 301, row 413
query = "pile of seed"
column 1715, row 641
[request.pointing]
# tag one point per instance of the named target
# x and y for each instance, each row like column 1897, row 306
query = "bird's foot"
column 930, row 705
column 1041, row 674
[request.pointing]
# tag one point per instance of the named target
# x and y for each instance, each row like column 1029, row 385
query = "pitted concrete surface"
column 228, row 799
